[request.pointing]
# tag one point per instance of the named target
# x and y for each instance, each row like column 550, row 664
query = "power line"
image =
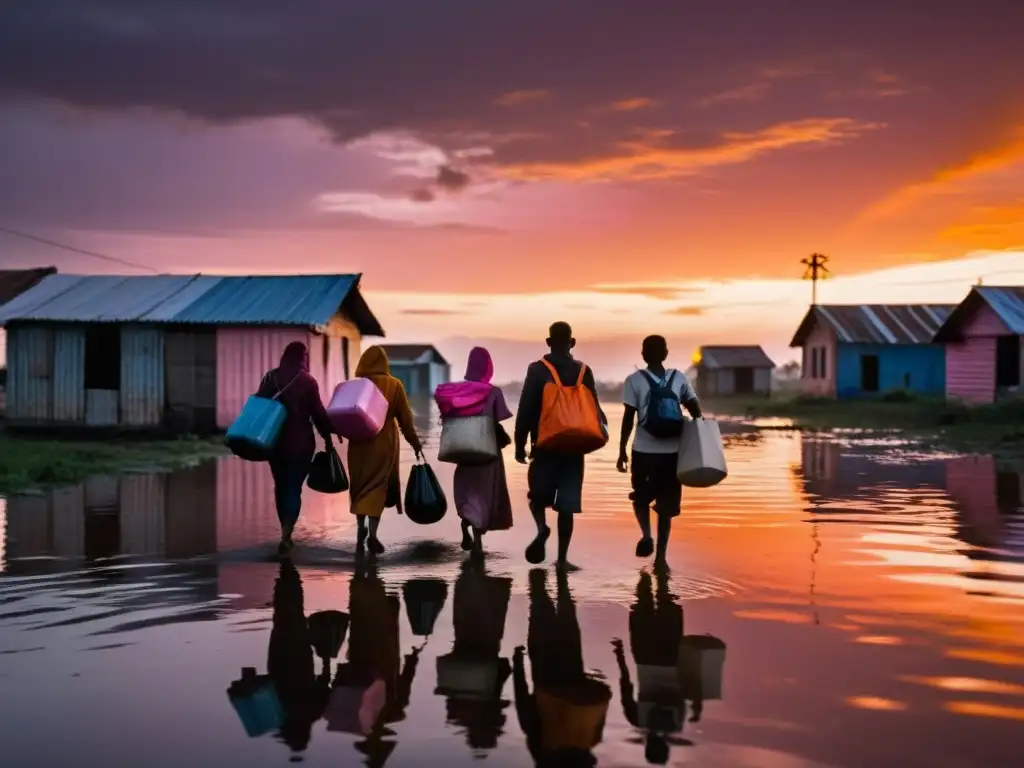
column 82, row 251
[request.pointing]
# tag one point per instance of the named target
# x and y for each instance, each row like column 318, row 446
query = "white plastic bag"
column 466, row 679
column 701, row 659
column 468, row 440
column 701, row 456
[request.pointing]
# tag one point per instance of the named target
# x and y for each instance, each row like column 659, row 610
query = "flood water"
column 870, row 601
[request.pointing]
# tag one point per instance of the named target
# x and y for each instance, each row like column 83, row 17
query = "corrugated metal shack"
column 13, row 283
column 984, row 345
column 867, row 349
column 179, row 353
column 733, row 370
column 420, row 367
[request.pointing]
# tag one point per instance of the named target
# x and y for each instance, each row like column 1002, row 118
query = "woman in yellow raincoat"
column 373, row 463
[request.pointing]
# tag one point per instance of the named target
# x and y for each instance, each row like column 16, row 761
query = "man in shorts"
column 555, row 479
column 654, row 459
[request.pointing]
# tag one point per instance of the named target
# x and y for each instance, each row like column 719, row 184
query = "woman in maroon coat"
column 296, row 444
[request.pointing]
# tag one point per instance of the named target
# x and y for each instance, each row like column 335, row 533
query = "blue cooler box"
column 254, row 431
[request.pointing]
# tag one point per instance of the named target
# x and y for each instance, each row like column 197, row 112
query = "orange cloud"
column 663, row 292
column 631, row 105
column 993, row 228
column 644, row 160
column 519, row 98
column 1005, row 154
column 744, row 93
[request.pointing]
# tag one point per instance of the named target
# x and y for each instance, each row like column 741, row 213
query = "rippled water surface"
column 871, row 604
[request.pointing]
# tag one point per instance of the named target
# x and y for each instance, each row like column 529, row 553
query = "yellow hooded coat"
column 373, row 463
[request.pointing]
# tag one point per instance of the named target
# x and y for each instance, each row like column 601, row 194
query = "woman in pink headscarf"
column 481, row 491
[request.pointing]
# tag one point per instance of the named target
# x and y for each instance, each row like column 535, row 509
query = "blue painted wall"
column 925, row 364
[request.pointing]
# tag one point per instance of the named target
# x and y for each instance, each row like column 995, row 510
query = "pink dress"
column 481, row 492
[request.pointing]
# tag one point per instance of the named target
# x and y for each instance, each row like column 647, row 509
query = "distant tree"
column 790, row 370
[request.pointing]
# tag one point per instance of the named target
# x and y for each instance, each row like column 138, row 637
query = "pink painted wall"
column 822, row 338
column 971, row 362
column 244, row 355
column 984, row 322
column 971, row 370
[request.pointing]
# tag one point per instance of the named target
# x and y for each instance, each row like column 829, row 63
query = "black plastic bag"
column 425, row 502
column 327, row 632
column 326, row 473
column 424, row 600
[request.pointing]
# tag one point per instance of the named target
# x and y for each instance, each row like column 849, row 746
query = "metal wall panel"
column 971, row 370
column 190, row 362
column 29, row 373
column 142, row 375
column 143, row 513
column 69, row 375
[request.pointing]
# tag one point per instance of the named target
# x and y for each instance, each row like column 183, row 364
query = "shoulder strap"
column 671, row 378
column 583, row 372
column 554, row 373
column 654, row 382
column 282, row 390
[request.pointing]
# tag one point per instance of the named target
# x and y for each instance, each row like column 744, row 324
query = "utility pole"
column 816, row 270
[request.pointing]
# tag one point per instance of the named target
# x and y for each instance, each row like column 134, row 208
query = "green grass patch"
column 997, row 428
column 28, row 463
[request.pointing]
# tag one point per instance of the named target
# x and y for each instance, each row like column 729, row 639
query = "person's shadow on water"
column 472, row 677
column 563, row 719
column 655, row 634
column 371, row 689
column 291, row 665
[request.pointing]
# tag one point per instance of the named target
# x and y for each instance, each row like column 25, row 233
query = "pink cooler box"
column 358, row 409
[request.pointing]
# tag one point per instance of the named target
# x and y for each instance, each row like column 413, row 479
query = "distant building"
column 179, row 353
column 983, row 341
column 733, row 370
column 13, row 283
column 868, row 349
column 420, row 367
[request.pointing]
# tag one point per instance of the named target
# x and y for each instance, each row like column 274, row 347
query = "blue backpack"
column 663, row 417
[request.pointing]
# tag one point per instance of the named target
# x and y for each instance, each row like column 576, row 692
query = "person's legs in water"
column 372, row 542
column 540, row 480
column 568, row 502
column 641, row 498
column 667, row 504
column 467, row 536
column 360, row 531
column 289, row 475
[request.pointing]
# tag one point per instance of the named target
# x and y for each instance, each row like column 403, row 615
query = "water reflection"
column 563, row 717
column 472, row 676
column 861, row 588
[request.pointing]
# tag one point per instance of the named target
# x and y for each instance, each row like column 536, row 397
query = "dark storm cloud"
column 440, row 68
column 452, row 180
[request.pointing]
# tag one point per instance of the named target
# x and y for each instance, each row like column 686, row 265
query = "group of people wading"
column 556, row 447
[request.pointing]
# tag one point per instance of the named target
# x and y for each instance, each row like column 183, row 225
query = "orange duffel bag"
column 569, row 419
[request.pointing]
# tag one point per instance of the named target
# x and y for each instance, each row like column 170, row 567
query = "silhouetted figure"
column 653, row 474
column 290, row 663
column 472, row 677
column 655, row 632
column 372, row 689
column 563, row 718
column 298, row 391
column 555, row 479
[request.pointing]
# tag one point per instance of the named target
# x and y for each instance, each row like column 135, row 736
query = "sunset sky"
column 657, row 166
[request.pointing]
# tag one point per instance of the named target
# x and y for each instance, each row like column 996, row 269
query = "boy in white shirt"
column 653, row 475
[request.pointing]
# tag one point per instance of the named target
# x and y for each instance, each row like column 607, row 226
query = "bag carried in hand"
column 425, row 502
column 254, row 432
column 468, row 440
column 663, row 415
column 701, row 461
column 326, row 473
column 424, row 600
column 327, row 632
column 569, row 419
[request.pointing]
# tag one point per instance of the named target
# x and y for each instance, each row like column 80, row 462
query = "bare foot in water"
column 661, row 565
column 566, row 567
